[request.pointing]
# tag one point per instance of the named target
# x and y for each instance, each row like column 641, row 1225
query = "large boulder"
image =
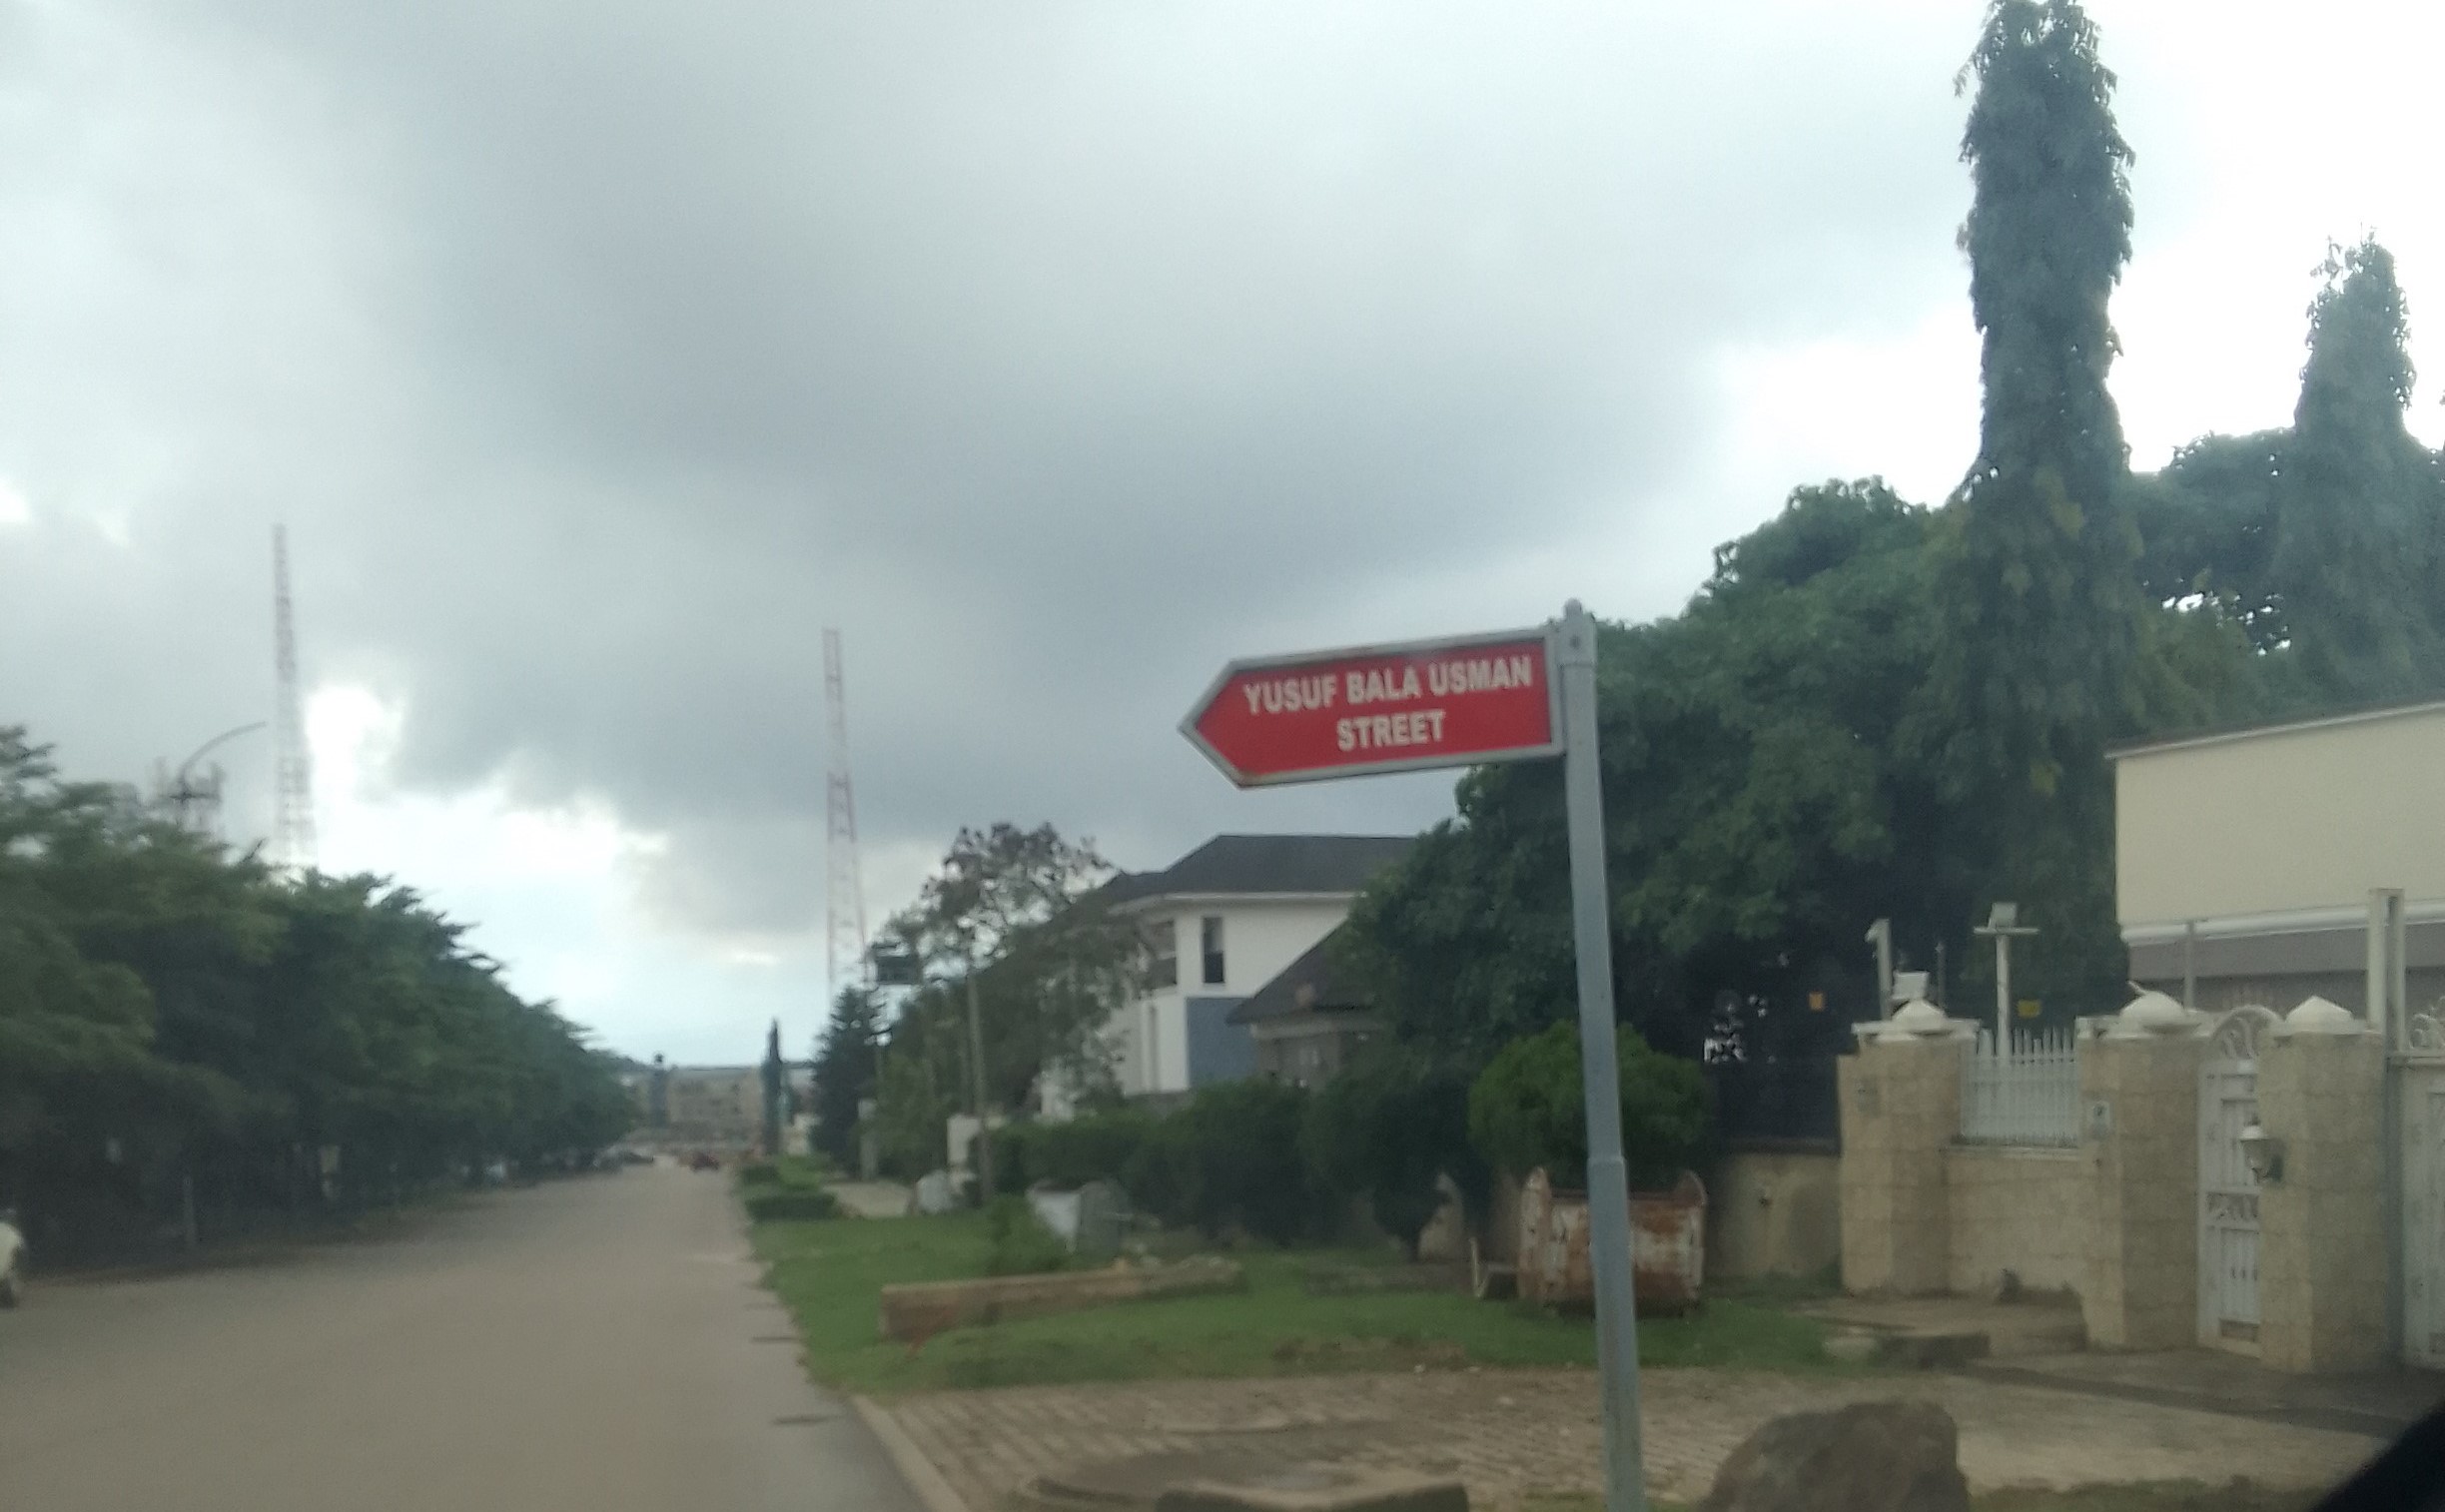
column 1872, row 1457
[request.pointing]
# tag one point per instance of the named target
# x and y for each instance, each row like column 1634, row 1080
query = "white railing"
column 2030, row 1097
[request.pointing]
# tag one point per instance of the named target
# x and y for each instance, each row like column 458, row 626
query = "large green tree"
column 1759, row 813
column 1023, row 911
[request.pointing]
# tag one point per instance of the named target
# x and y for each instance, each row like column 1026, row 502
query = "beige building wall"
column 2248, row 824
column 1774, row 1212
column 2019, row 1210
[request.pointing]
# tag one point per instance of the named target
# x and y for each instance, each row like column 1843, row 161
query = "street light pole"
column 2003, row 926
column 182, row 792
column 1880, row 934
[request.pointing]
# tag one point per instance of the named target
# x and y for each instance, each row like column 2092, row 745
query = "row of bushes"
column 787, row 1190
column 1281, row 1163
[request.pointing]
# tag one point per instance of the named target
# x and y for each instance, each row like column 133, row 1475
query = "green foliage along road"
column 171, row 1012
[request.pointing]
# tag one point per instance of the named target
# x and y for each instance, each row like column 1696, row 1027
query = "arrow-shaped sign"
column 1429, row 703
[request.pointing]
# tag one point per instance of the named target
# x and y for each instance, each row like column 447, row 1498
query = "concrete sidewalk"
column 1513, row 1434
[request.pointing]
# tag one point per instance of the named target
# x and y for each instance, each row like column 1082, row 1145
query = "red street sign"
column 1429, row 703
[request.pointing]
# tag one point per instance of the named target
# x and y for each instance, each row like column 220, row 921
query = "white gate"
column 2228, row 1194
column 2419, row 1074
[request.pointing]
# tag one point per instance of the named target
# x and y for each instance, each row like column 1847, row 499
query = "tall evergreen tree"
column 2042, row 598
column 2037, row 555
column 845, row 1071
column 2356, row 495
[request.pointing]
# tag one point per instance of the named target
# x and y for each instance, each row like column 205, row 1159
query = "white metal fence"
column 2030, row 1097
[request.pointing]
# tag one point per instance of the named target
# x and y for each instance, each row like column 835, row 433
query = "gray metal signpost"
column 1276, row 738
column 1608, row 1176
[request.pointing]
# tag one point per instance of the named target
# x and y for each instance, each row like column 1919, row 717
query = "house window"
column 1209, row 940
column 1162, row 941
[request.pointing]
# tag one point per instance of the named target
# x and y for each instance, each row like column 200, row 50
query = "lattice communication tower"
column 292, row 822
column 844, row 895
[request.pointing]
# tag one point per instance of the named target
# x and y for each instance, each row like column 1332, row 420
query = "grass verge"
column 830, row 1277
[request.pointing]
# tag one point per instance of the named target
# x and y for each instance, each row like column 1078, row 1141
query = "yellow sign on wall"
column 2029, row 1008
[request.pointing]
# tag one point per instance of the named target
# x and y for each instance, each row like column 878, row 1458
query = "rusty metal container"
column 1667, row 1243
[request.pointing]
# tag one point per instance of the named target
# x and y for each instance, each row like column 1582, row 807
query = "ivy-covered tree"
column 2037, row 553
column 2353, row 556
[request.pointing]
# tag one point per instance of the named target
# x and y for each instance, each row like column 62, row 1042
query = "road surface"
column 599, row 1344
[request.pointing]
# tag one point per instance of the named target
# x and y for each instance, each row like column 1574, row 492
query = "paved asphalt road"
column 599, row 1344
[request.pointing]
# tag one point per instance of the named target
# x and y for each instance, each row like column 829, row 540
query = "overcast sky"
column 599, row 354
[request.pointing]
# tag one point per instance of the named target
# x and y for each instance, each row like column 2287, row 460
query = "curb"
column 2368, row 1424
column 922, row 1479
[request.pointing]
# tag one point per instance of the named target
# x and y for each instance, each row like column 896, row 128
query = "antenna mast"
column 293, row 825
column 843, row 897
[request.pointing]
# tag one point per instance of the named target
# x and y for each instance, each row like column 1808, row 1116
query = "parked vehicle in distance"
column 12, row 1259
column 704, row 1159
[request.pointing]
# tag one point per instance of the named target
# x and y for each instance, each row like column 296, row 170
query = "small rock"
column 1869, row 1457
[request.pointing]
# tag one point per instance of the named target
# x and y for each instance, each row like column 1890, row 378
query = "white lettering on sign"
column 1479, row 674
column 1289, row 695
column 1383, row 685
column 1383, row 731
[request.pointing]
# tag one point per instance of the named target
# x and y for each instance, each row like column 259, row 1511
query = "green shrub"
column 792, row 1204
column 1385, row 1129
column 1240, row 1143
column 1526, row 1109
column 759, row 1174
column 1019, row 1243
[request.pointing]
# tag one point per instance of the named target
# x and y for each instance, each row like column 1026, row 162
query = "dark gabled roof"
column 1309, row 985
column 1259, row 865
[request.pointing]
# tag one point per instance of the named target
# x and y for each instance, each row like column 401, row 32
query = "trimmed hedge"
column 1230, row 1160
column 792, row 1205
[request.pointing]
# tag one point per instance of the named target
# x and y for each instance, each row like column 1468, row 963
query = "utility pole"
column 976, row 1083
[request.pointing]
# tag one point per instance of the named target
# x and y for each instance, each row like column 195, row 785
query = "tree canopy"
column 167, row 1008
column 1872, row 709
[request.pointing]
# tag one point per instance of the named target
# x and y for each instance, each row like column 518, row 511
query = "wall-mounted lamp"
column 2263, row 1151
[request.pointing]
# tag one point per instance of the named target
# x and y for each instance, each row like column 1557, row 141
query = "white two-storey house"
column 1221, row 922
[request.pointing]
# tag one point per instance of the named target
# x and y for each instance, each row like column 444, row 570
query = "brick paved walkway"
column 1512, row 1433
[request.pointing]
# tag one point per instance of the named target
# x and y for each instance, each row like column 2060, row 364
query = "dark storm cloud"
column 601, row 354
